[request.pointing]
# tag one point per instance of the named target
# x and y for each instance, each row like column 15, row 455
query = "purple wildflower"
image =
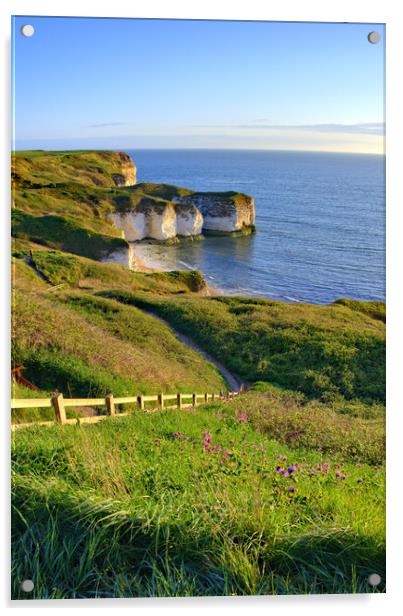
column 242, row 417
column 291, row 489
column 279, row 469
column 340, row 475
column 292, row 469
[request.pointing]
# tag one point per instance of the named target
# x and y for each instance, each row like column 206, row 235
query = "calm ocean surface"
column 320, row 222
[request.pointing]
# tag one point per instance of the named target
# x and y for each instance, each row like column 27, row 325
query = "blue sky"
column 116, row 83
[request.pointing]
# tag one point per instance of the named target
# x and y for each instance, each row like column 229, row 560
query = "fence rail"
column 59, row 404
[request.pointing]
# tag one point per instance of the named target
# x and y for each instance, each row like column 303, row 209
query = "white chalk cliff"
column 163, row 212
column 158, row 220
column 123, row 256
column 223, row 212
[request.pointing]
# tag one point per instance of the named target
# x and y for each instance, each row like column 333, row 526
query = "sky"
column 140, row 83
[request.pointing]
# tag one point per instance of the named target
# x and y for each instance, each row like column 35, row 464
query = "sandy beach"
column 151, row 258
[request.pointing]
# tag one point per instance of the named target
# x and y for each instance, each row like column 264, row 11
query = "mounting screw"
column 374, row 579
column 27, row 586
column 27, row 30
column 374, row 37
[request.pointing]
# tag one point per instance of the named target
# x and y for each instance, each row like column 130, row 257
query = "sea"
column 320, row 222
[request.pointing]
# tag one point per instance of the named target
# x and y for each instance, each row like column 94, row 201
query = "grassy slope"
column 324, row 351
column 65, row 234
column 84, row 345
column 125, row 508
column 81, row 273
column 35, row 168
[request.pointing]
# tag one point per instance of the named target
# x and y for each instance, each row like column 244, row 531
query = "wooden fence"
column 59, row 405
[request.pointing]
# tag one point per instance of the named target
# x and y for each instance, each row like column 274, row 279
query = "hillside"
column 88, row 346
column 268, row 493
column 190, row 504
column 326, row 352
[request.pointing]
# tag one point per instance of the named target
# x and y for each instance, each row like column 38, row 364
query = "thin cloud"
column 105, row 124
column 365, row 128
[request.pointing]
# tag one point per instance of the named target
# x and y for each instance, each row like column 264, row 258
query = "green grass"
column 33, row 168
column 87, row 346
column 326, row 352
column 376, row 310
column 65, row 234
column 125, row 509
column 353, row 429
column 79, row 272
column 138, row 506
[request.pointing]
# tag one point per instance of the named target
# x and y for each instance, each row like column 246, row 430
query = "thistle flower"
column 291, row 489
column 292, row 469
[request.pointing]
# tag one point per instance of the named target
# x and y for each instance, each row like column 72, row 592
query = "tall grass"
column 86, row 346
column 189, row 503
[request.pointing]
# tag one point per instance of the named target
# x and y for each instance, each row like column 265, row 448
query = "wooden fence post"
column 205, row 398
column 140, row 402
column 212, row 397
column 58, row 405
column 179, row 401
column 193, row 399
column 110, row 405
column 161, row 400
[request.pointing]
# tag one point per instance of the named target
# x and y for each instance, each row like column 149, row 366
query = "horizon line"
column 89, row 149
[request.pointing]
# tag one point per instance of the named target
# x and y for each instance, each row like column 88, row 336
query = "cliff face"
column 188, row 214
column 223, row 212
column 123, row 256
column 158, row 220
column 127, row 175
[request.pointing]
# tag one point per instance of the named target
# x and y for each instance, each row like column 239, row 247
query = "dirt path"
column 32, row 265
column 233, row 381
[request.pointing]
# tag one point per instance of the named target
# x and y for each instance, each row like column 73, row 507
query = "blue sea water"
column 320, row 221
